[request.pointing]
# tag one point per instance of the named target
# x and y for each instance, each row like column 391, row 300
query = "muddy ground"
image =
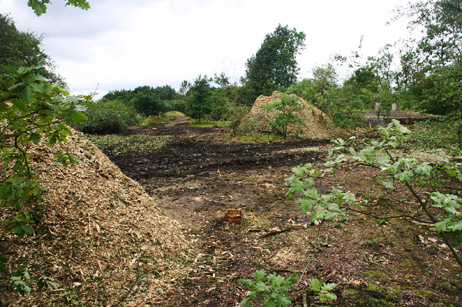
column 203, row 172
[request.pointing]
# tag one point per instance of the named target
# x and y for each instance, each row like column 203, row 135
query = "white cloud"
column 124, row 44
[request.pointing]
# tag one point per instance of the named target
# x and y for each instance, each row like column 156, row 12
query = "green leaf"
column 246, row 302
column 424, row 169
column 261, row 286
column 311, row 193
column 456, row 227
column 299, row 171
column 246, row 282
column 283, row 300
column 28, row 229
column 404, row 176
column 35, row 138
column 349, row 198
column 388, row 185
column 328, row 287
column 367, row 154
column 327, row 297
column 260, row 275
column 83, row 4
column 305, row 204
column 315, row 285
column 39, row 6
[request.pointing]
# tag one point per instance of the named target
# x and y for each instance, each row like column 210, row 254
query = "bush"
column 285, row 114
column 444, row 133
column 175, row 105
column 109, row 117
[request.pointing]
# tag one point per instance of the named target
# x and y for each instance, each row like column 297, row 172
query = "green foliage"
column 446, row 215
column 108, row 117
column 433, row 65
column 47, row 282
column 285, row 114
column 274, row 67
column 40, row 6
column 323, row 290
column 441, row 92
column 21, row 280
column 117, row 144
column 23, row 49
column 32, row 112
column 343, row 105
column 444, row 133
column 148, row 100
column 320, row 207
column 270, row 289
column 199, row 98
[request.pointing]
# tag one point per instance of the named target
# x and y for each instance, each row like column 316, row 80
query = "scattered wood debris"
column 101, row 239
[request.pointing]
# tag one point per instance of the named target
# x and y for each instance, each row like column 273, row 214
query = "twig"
column 387, row 217
column 279, row 231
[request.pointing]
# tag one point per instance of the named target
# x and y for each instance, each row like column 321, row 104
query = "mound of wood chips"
column 101, row 239
column 317, row 124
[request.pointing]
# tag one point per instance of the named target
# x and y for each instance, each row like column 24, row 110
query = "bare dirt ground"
column 203, row 172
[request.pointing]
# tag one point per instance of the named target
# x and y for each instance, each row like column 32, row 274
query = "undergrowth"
column 117, row 144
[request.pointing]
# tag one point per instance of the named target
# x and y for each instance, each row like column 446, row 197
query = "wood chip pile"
column 101, row 238
column 317, row 125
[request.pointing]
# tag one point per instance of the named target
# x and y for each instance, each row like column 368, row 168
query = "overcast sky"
column 120, row 44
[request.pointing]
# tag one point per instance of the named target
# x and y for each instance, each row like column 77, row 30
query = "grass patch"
column 259, row 138
column 211, row 123
column 118, row 144
column 151, row 120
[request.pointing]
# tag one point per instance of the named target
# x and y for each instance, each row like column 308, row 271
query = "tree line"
column 423, row 75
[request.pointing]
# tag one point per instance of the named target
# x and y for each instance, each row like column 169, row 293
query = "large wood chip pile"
column 317, row 124
column 101, row 238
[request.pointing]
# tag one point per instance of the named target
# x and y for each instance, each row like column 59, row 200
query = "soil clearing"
column 203, row 172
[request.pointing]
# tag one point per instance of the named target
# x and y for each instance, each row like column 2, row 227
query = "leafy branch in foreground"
column 40, row 6
column 32, row 112
column 442, row 209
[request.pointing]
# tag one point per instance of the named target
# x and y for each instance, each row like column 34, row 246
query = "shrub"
column 269, row 289
column 109, row 117
column 285, row 114
column 443, row 210
column 445, row 133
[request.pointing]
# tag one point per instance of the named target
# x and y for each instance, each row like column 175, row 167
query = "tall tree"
column 274, row 65
column 19, row 48
column 432, row 71
column 199, row 102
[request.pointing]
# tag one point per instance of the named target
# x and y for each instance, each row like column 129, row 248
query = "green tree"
column 40, row 6
column 199, row 98
column 147, row 101
column 432, row 68
column 274, row 66
column 22, row 49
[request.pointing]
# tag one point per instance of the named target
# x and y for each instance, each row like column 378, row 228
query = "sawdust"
column 101, row 239
column 316, row 125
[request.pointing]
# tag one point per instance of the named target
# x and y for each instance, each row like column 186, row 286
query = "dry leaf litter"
column 316, row 125
column 101, row 238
